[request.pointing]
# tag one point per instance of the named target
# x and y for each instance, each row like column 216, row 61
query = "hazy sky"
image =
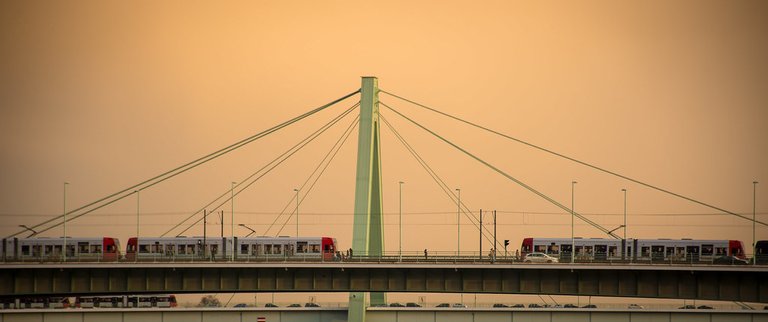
column 106, row 94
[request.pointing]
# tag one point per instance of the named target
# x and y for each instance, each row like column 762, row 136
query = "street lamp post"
column 65, row 222
column 232, row 219
column 458, row 224
column 754, row 208
column 137, row 222
column 400, row 252
column 573, row 241
column 297, row 212
column 625, row 214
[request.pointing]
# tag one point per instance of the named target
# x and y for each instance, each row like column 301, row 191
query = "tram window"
column 156, row 248
column 70, row 250
column 645, row 251
column 191, row 249
column 670, row 251
column 553, row 249
column 169, row 249
column 214, row 249
column 277, row 249
column 315, row 248
column 657, row 249
column 268, row 249
column 580, row 250
column 82, row 248
column 57, row 249
column 540, row 248
column 144, row 249
column 612, row 250
column 48, row 249
column 301, row 247
column 707, row 250
column 244, row 249
column 95, row 249
column 255, row 249
column 180, row 249
column 720, row 251
column 588, row 249
column 680, row 251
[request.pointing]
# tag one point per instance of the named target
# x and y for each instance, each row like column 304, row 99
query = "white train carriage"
column 247, row 248
column 50, row 249
column 316, row 248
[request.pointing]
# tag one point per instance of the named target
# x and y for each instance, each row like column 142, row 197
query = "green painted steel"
column 368, row 230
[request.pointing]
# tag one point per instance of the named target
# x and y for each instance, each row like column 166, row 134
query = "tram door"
column 692, row 254
column 566, row 251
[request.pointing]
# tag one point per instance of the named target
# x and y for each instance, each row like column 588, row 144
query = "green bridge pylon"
column 368, row 229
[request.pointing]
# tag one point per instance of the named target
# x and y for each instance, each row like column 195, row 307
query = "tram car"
column 126, row 301
column 245, row 248
column 761, row 252
column 599, row 249
column 35, row 303
column 94, row 249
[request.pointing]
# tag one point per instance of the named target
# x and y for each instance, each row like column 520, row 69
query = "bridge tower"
column 368, row 228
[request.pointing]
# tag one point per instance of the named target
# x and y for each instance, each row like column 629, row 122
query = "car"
column 687, row 307
column 396, row 305
column 270, row 305
column 518, row 305
column 570, row 306
column 729, row 260
column 459, row 305
column 534, row 306
column 705, row 307
column 443, row 305
column 378, row 305
column 241, row 305
column 589, row 306
column 500, row 305
column 635, row 306
column 411, row 304
column 539, row 258
column 311, row 305
column 295, row 305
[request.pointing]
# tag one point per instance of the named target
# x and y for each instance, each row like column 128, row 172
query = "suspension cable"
column 181, row 169
column 276, row 162
column 499, row 171
column 648, row 185
column 342, row 140
column 438, row 180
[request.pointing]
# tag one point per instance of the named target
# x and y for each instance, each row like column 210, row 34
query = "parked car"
column 270, row 305
column 241, row 305
column 311, row 305
column 295, row 305
column 635, row 306
column 570, row 306
column 379, row 305
column 705, row 307
column 459, row 305
column 539, row 258
column 411, row 304
column 443, row 305
column 500, row 305
column 534, row 306
column 589, row 306
column 729, row 260
column 518, row 305
column 687, row 307
column 396, row 305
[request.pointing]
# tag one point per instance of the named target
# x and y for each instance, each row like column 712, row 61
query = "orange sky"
column 105, row 95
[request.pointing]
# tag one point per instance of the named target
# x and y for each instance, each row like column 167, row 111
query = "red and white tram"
column 599, row 249
column 246, row 248
column 50, row 249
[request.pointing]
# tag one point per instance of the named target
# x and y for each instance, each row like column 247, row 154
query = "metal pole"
column 138, row 198
column 754, row 208
column 494, row 237
column 481, row 234
column 221, row 219
column 573, row 243
column 400, row 252
column 232, row 220
column 297, row 212
column 625, row 213
column 65, row 221
column 458, row 224
column 205, row 225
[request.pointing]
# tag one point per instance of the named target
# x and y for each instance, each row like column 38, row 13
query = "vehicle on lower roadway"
column 635, row 306
column 500, row 305
column 411, row 304
column 539, row 258
column 396, row 305
column 459, row 305
column 443, row 305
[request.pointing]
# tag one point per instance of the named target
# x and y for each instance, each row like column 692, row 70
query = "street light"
column 249, row 228
column 297, row 212
column 232, row 219
column 65, row 221
column 458, row 223
column 137, row 223
column 573, row 242
column 400, row 253
column 754, row 207
column 30, row 229
column 625, row 213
